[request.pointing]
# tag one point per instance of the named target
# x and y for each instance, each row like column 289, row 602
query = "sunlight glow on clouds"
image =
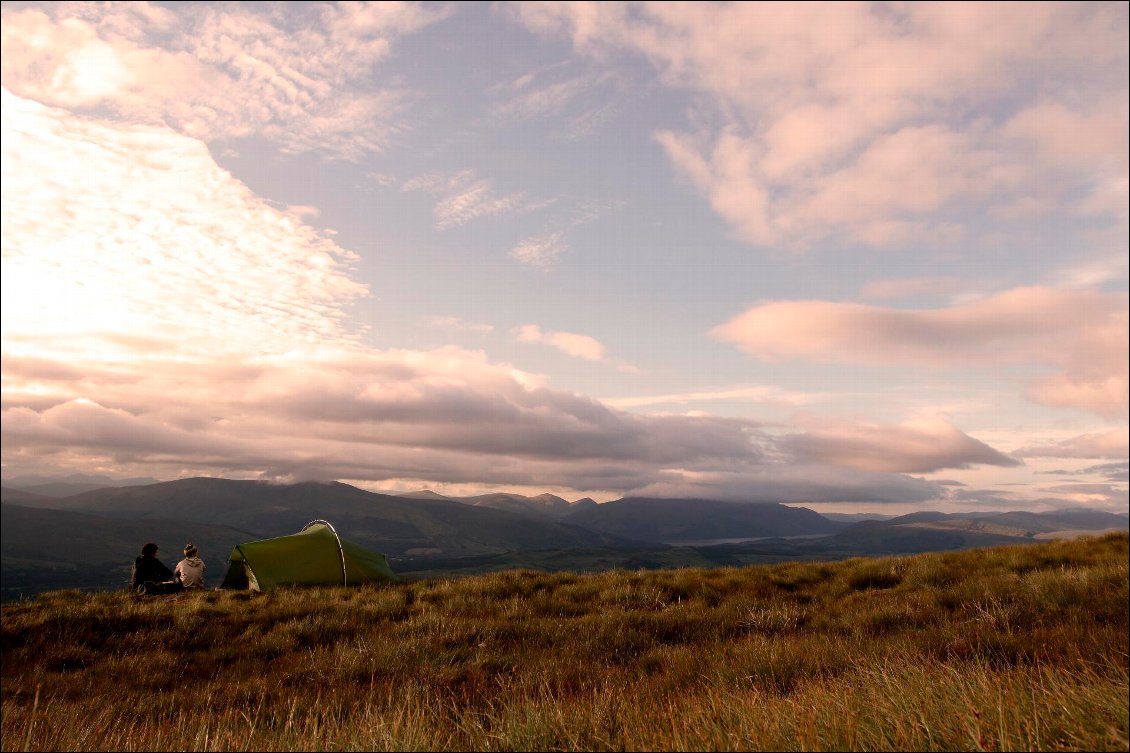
column 129, row 235
column 218, row 71
column 462, row 197
column 579, row 346
column 848, row 120
column 1080, row 332
column 913, row 447
column 911, row 217
column 540, row 251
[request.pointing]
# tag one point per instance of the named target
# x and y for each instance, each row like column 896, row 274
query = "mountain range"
column 89, row 539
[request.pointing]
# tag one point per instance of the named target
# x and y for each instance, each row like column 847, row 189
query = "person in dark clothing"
column 149, row 573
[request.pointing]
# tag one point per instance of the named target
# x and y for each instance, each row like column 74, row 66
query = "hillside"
column 89, row 540
column 545, row 505
column 933, row 531
column 674, row 520
column 51, row 549
column 1014, row 648
column 391, row 524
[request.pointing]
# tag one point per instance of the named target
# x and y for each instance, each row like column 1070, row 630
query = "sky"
column 859, row 257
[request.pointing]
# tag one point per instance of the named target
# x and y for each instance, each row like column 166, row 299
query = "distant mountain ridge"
column 673, row 520
column 89, row 539
column 548, row 505
column 65, row 486
column 392, row 524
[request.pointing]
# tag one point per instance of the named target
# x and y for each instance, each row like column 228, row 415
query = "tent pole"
column 340, row 549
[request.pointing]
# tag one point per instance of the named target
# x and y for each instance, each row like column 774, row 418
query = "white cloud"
column 578, row 346
column 758, row 393
column 301, row 79
column 540, row 251
column 462, row 197
column 134, row 235
column 851, row 122
column 456, row 324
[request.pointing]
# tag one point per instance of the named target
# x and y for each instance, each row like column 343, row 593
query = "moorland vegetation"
column 1009, row 648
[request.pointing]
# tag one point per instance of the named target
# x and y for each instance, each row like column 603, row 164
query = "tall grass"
column 999, row 649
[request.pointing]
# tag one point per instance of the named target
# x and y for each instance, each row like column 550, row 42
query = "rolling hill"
column 545, row 505
column 680, row 520
column 88, row 540
column 49, row 549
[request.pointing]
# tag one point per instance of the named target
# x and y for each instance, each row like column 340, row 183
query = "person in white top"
column 190, row 570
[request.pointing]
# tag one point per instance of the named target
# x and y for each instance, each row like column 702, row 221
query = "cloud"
column 540, row 251
column 456, row 324
column 1082, row 333
column 794, row 482
column 300, row 78
column 157, row 315
column 575, row 105
column 1109, row 471
column 1108, row 445
column 1100, row 496
column 463, row 197
column 756, row 393
column 578, row 346
column 911, row 447
column 851, row 123
column 133, row 238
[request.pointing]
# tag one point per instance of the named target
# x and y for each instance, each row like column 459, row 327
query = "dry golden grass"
column 1001, row 649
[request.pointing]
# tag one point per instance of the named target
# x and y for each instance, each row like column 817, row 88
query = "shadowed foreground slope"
column 1020, row 647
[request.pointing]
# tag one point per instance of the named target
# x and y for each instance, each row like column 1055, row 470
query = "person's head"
column 149, row 550
column 190, row 550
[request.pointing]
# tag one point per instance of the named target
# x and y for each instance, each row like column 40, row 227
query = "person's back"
column 147, row 568
column 190, row 570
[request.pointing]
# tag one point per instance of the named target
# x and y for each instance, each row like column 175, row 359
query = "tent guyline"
column 315, row 556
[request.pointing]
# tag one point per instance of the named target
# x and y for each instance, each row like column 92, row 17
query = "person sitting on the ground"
column 148, row 569
column 190, row 570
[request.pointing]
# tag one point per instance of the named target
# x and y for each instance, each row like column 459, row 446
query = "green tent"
column 315, row 556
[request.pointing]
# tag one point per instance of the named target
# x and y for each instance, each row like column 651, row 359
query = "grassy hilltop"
column 1019, row 647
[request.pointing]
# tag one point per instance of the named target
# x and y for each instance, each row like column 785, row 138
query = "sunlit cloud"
column 462, row 197
column 163, row 316
column 188, row 327
column 218, row 72
column 1082, row 333
column 911, row 447
column 757, row 393
column 456, row 324
column 570, row 343
column 1110, row 445
column 794, row 482
column 540, row 251
column 1100, row 496
column 849, row 121
column 130, row 242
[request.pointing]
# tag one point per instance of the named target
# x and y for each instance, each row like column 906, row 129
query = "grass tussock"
column 999, row 649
